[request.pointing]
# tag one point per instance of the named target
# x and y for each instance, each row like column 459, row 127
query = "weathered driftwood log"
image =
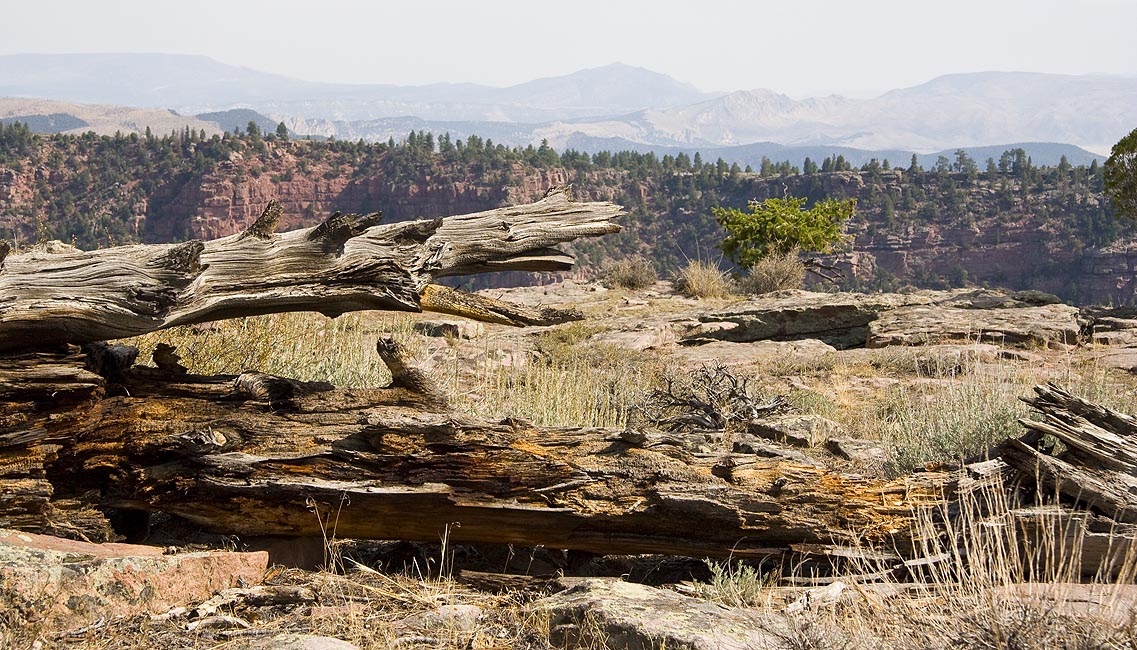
column 83, row 431
column 348, row 263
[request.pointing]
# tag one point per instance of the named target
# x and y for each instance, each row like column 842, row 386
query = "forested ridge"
column 97, row 191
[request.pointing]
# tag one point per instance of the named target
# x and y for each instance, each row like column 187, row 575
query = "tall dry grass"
column 703, row 280
column 301, row 345
column 774, row 272
column 993, row 582
column 567, row 381
column 631, row 273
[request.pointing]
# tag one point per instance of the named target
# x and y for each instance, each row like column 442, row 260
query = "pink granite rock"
column 62, row 583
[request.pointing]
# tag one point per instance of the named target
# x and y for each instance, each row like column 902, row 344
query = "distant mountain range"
column 613, row 107
column 196, row 84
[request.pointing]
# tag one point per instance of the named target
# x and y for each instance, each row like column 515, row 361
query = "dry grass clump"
column 631, row 273
column 736, row 584
column 704, row 280
column 569, row 381
column 300, row 345
column 774, row 272
column 928, row 423
column 955, row 411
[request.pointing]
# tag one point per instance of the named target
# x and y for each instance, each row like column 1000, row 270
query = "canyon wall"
column 911, row 230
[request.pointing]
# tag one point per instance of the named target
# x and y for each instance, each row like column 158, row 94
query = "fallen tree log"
column 235, row 457
column 1095, row 464
column 348, row 263
column 254, row 455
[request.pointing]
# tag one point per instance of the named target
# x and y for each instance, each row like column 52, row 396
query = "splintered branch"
column 348, row 263
column 445, row 300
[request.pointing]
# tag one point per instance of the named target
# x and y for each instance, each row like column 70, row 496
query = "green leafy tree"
column 282, row 131
column 1121, row 176
column 778, row 226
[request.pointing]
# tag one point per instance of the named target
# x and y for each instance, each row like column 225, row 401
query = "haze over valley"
column 613, row 107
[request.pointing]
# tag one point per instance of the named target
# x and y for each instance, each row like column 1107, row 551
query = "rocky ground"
column 878, row 384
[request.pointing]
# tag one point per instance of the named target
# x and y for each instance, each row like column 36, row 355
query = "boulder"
column 838, row 319
column 626, row 615
column 455, row 618
column 1115, row 338
column 1120, row 358
column 799, row 430
column 868, row 453
column 1044, row 326
column 66, row 583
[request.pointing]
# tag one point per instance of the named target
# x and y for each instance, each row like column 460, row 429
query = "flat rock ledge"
column 838, row 319
column 62, row 583
column 852, row 320
column 634, row 616
column 1045, row 326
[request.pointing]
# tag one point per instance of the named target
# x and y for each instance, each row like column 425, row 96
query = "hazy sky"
column 856, row 47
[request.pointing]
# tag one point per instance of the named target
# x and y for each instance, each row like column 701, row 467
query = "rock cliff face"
column 220, row 204
column 230, row 198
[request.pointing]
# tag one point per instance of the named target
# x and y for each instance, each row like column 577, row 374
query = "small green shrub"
column 704, row 280
column 736, row 584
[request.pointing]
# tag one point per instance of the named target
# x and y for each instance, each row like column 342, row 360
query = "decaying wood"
column 389, row 464
column 1098, row 467
column 260, row 455
column 348, row 263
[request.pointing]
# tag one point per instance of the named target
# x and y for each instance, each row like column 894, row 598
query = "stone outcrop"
column 59, row 583
column 798, row 430
column 850, row 320
column 838, row 319
column 625, row 615
column 1045, row 326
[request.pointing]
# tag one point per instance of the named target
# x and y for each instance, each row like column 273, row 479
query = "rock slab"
column 62, row 583
column 638, row 617
column 838, row 319
column 1042, row 326
column 798, row 430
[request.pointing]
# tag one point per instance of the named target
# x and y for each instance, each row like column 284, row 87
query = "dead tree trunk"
column 348, row 263
column 256, row 455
